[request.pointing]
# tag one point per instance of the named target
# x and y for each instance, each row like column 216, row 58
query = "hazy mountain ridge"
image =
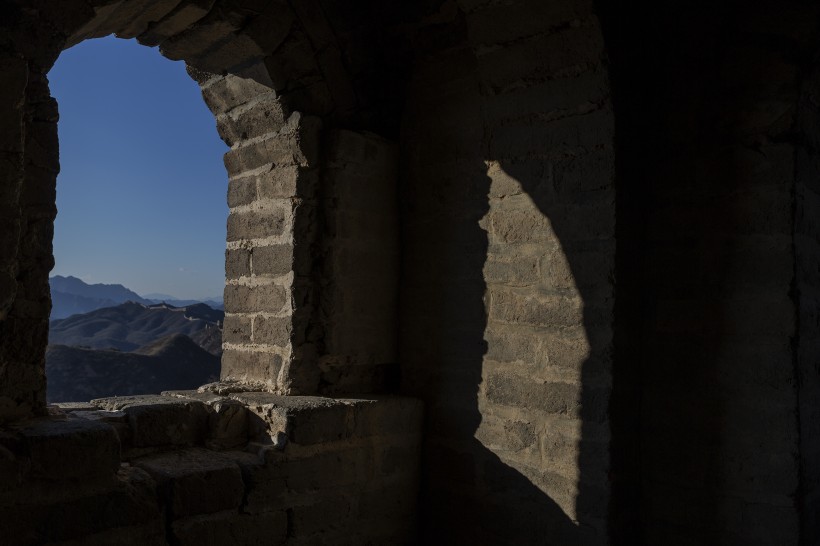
column 173, row 362
column 112, row 342
column 72, row 296
column 129, row 326
column 113, row 292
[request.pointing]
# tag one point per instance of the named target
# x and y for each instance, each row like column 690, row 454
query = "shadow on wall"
column 703, row 314
column 511, row 355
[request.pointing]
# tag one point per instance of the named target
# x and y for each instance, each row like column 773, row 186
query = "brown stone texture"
column 582, row 233
column 507, row 289
column 294, row 462
column 360, row 257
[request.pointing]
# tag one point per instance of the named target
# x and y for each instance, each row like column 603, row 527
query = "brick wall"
column 807, row 293
column 200, row 468
column 508, row 228
column 709, row 321
column 359, row 265
column 273, row 179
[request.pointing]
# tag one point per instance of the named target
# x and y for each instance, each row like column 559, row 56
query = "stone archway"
column 274, row 78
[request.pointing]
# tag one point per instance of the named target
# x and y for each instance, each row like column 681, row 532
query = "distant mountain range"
column 129, row 326
column 133, row 348
column 173, row 362
column 71, row 296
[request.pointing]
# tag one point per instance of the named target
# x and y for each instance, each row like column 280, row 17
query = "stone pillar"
column 272, row 170
column 18, row 385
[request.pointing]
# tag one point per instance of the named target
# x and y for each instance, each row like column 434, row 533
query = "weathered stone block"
column 231, row 91
column 193, row 42
column 536, row 309
column 237, row 263
column 256, row 224
column 135, row 18
column 552, row 397
column 327, row 515
column 68, row 449
column 581, row 132
column 236, row 329
column 272, row 260
column 296, row 144
column 160, row 420
column 268, row 298
column 272, row 330
column 242, row 365
column 241, row 191
column 283, row 482
column 304, row 419
column 386, row 416
column 263, row 116
column 195, row 481
column 282, row 182
column 78, row 518
column 227, row 425
column 521, row 271
column 520, row 20
column 227, row 419
column 230, row 528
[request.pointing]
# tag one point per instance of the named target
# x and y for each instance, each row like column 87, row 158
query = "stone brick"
column 11, row 98
column 227, row 419
column 192, row 43
column 237, row 329
column 72, row 449
column 322, row 517
column 250, row 365
column 574, row 133
column 551, row 397
column 296, row 143
column 562, row 53
column 264, row 116
column 135, row 18
column 520, row 20
column 237, row 263
column 336, row 469
column 273, row 260
column 227, row 425
column 268, row 298
column 160, row 420
column 272, row 330
column 226, row 528
column 536, row 310
column 195, row 481
column 241, row 191
column 386, row 415
column 522, row 271
column 253, row 225
column 555, row 98
column 281, row 182
column 231, row 91
column 96, row 517
column 305, row 420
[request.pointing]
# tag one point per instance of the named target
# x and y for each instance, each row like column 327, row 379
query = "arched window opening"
column 140, row 232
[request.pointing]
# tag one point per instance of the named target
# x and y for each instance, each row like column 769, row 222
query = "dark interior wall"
column 807, row 293
column 706, row 423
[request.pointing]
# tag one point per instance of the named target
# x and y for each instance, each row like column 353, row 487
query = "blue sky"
column 141, row 192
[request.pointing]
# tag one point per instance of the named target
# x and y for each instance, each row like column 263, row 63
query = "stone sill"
column 87, row 443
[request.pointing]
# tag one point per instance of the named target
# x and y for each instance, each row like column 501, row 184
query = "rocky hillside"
column 173, row 362
column 129, row 326
column 71, row 296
